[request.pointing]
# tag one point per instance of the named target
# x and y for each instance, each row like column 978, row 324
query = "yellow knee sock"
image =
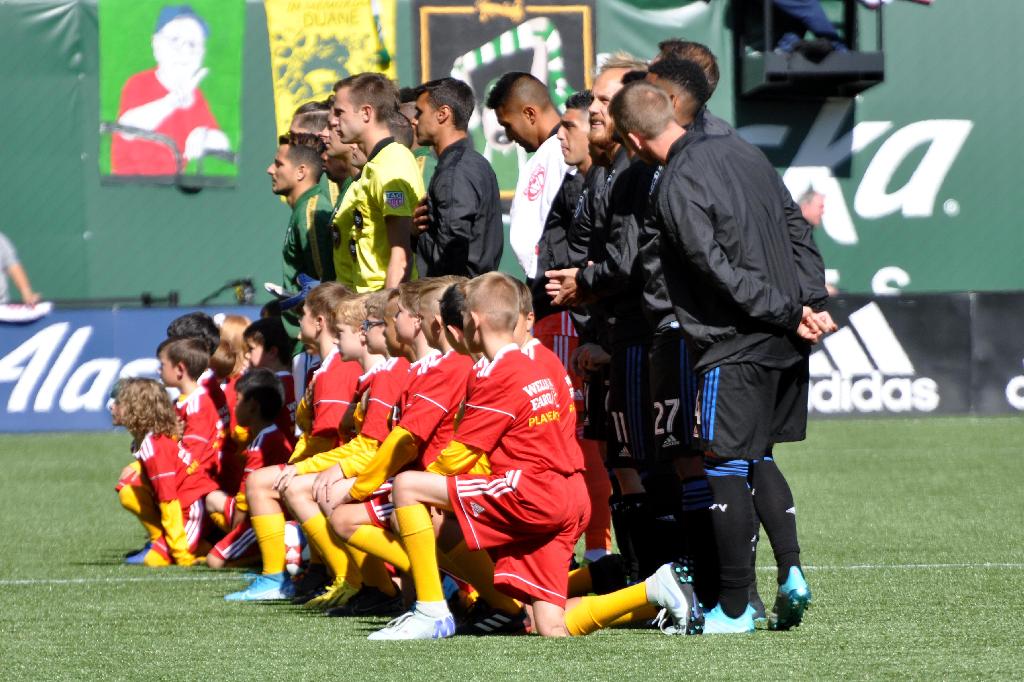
column 332, row 549
column 477, row 569
column 382, row 544
column 639, row 615
column 139, row 501
column 580, row 582
column 594, row 613
column 219, row 520
column 418, row 537
column 374, row 572
column 269, row 529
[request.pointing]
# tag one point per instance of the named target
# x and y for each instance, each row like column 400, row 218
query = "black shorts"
column 673, row 395
column 631, row 430
column 743, row 409
column 595, row 409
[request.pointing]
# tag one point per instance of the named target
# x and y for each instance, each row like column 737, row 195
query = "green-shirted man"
column 374, row 221
column 308, row 248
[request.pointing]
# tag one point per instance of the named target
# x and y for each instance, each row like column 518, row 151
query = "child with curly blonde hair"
column 176, row 481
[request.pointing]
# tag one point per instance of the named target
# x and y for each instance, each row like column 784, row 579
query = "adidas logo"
column 864, row 368
column 669, row 442
column 624, row 453
column 477, row 509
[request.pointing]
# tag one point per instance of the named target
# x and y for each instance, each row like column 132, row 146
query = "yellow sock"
column 374, row 572
column 220, row 521
column 418, row 537
column 382, row 544
column 639, row 615
column 331, row 548
column 139, row 501
column 580, row 582
column 594, row 613
column 269, row 529
column 476, row 568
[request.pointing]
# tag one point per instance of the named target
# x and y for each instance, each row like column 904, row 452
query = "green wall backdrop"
column 920, row 172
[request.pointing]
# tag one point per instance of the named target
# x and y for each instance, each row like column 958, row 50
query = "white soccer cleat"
column 675, row 594
column 415, row 625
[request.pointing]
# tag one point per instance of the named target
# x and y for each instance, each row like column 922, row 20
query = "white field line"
column 205, row 578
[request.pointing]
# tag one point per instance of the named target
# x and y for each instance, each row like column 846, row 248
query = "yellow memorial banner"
column 315, row 43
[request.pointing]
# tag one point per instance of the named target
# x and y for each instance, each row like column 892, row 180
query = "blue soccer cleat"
column 416, row 625
column 266, row 588
column 138, row 559
column 793, row 599
column 717, row 623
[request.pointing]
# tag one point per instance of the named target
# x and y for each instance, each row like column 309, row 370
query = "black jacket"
column 553, row 248
column 465, row 235
column 728, row 254
column 618, row 279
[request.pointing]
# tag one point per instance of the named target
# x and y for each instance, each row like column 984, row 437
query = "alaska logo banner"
column 479, row 41
column 170, row 91
column 315, row 43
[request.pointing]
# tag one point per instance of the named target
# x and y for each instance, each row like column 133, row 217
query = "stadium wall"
column 918, row 172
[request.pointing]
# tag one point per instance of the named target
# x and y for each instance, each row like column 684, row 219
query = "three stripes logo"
column 863, row 368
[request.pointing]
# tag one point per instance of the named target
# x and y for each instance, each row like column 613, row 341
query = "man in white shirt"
column 523, row 107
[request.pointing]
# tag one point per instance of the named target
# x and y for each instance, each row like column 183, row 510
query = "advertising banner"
column 170, row 91
column 998, row 353
column 903, row 355
column 315, row 43
column 56, row 373
column 477, row 42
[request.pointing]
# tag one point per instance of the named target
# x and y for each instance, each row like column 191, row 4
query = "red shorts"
column 379, row 506
column 193, row 517
column 557, row 333
column 239, row 540
column 529, row 522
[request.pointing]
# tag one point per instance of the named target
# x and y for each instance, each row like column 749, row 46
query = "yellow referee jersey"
column 389, row 185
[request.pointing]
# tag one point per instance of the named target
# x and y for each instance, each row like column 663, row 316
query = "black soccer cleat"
column 369, row 601
column 313, row 583
column 484, row 619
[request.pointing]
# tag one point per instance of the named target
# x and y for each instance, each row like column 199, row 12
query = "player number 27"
column 672, row 406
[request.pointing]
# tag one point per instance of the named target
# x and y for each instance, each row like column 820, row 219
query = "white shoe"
column 415, row 625
column 675, row 594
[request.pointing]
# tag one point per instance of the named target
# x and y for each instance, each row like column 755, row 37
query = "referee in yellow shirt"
column 373, row 225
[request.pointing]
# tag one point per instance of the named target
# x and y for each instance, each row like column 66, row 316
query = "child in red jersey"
column 182, row 362
column 228, row 362
column 260, row 397
column 530, row 511
column 178, row 482
column 319, row 414
column 268, row 346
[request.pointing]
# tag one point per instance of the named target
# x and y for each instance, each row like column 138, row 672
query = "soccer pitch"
column 912, row 534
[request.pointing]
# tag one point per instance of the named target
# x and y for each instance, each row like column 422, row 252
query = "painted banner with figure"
column 315, row 43
column 170, row 91
column 479, row 41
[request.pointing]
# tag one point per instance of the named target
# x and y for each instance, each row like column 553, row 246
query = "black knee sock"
column 623, row 539
column 732, row 516
column 643, row 532
column 699, row 538
column 774, row 502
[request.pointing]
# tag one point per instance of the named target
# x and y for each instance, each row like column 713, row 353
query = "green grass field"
column 912, row 534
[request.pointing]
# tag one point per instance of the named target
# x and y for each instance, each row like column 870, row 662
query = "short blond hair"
column 433, row 290
column 641, row 108
column 495, row 297
column 376, row 302
column 351, row 311
column 409, row 294
column 622, row 60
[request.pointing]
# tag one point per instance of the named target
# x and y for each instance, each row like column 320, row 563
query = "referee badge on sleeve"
column 394, row 199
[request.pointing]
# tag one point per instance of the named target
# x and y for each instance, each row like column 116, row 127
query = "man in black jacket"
column 736, row 282
column 459, row 221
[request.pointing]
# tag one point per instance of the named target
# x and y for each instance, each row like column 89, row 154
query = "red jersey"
column 286, row 418
column 437, row 386
column 334, row 388
column 269, row 447
column 135, row 156
column 516, row 404
column 172, row 471
column 201, row 435
column 552, row 364
column 384, row 386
